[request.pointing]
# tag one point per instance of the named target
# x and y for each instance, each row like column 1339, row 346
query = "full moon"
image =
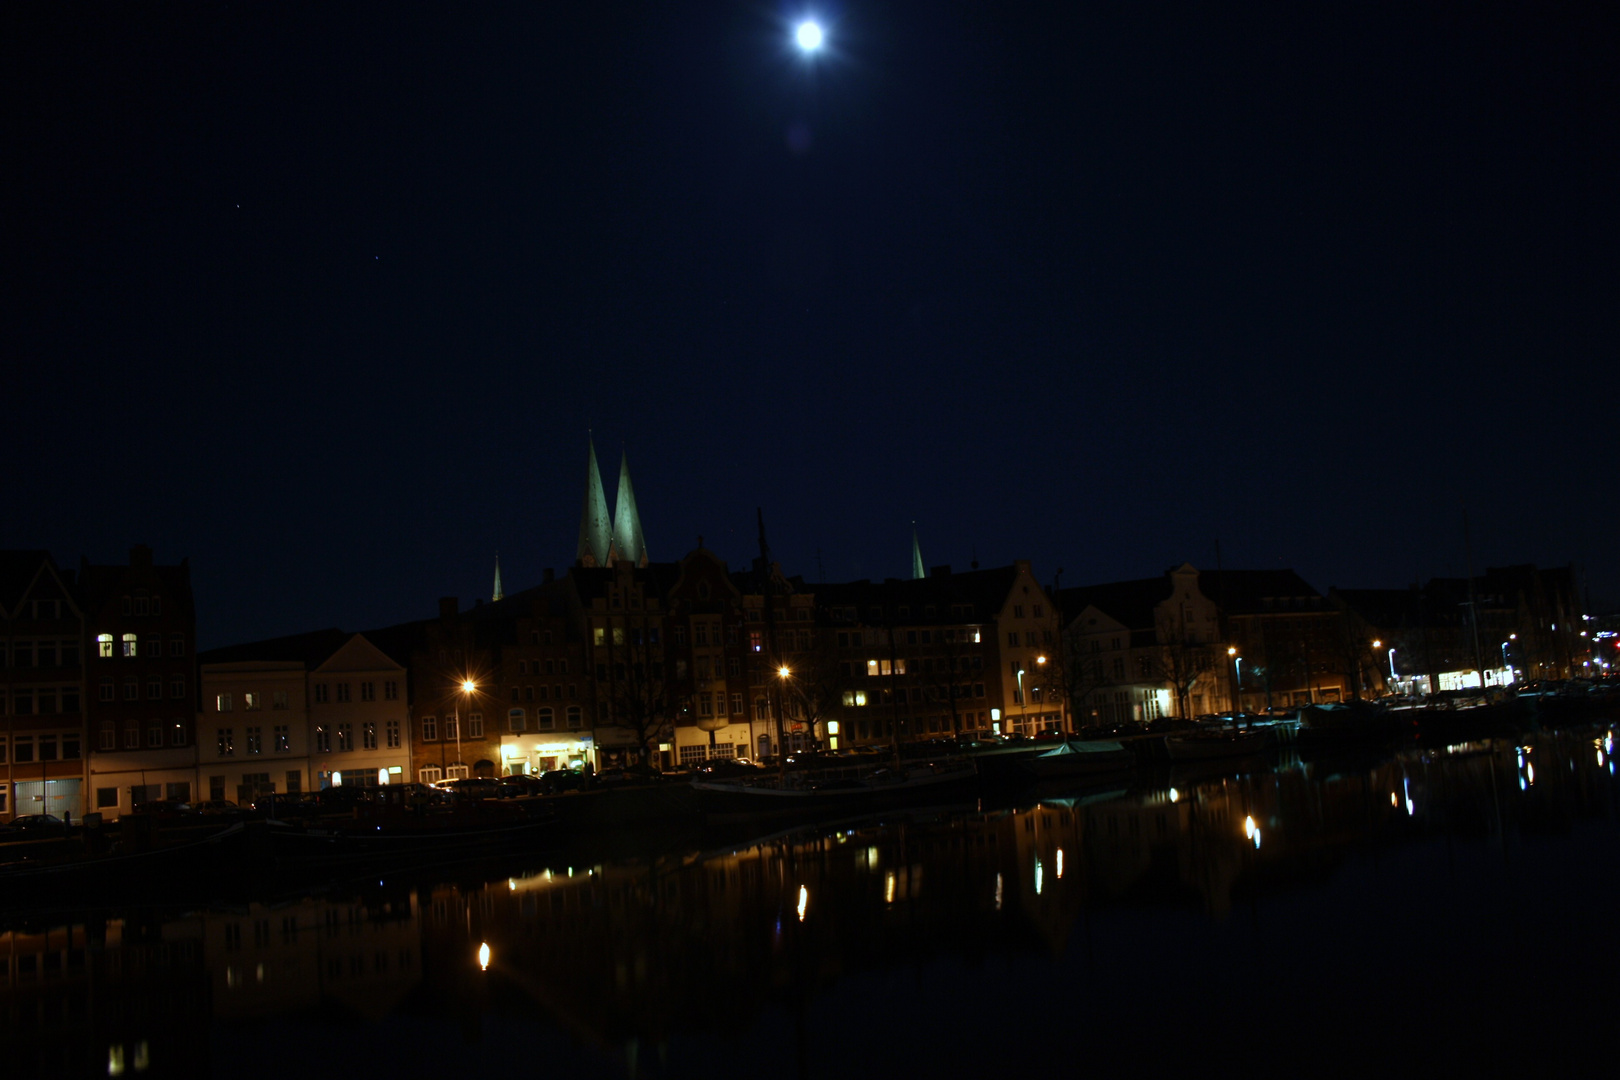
column 808, row 35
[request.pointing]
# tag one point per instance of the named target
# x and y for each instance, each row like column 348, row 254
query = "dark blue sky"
column 326, row 296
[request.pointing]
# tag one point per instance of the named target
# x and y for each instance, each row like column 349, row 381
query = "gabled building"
column 42, row 688
column 949, row 653
column 141, row 634
column 1138, row 650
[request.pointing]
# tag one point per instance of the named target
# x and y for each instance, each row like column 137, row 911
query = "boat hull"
column 732, row 802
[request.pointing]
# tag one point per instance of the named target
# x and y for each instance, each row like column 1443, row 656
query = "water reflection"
column 632, row 956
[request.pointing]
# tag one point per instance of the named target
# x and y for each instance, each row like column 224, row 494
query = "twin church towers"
column 605, row 540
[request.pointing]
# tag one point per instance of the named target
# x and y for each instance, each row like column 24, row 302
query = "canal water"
column 1366, row 912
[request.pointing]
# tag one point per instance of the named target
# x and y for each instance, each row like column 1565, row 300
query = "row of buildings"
column 107, row 705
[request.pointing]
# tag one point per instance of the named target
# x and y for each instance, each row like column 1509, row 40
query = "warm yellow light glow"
column 483, row 956
column 832, row 727
column 1060, row 864
column 804, row 901
column 1040, row 659
column 511, row 884
column 468, row 687
column 1231, row 650
column 783, row 671
column 1377, row 644
column 1248, row 826
column 888, row 887
column 1174, row 794
column 1392, row 800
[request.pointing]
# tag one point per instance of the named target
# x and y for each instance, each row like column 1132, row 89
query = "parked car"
column 471, row 787
column 34, row 826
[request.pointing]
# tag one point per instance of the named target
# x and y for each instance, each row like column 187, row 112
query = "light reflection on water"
column 792, row 946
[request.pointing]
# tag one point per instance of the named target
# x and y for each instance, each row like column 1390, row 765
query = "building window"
column 252, row 702
column 368, row 691
column 278, row 700
column 109, row 736
column 391, row 690
column 109, row 692
column 154, row 689
column 225, row 741
column 104, row 649
column 343, row 692
column 177, row 645
column 430, row 729
column 130, row 647
column 575, row 717
column 283, row 743
column 255, row 740
column 452, row 728
column 320, row 693
column 345, row 734
column 392, row 734
column 177, row 688
column 430, row 774
column 736, row 704
column 223, row 703
column 323, row 739
column 177, row 733
column 516, row 720
column 368, row 735
column 756, row 640
column 455, row 772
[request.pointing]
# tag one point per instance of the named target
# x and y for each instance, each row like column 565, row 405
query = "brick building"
column 42, row 687
column 141, row 633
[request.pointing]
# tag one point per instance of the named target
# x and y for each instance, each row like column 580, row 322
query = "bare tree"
column 644, row 696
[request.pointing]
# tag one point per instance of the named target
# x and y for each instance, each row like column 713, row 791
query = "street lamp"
column 1040, row 664
column 1392, row 676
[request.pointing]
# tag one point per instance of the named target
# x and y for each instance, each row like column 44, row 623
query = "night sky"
column 326, row 297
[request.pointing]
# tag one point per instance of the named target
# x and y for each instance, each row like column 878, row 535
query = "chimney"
column 548, row 575
column 940, row 571
column 448, row 606
column 140, row 555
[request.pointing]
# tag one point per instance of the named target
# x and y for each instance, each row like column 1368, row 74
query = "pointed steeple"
column 498, row 593
column 595, row 528
column 628, row 543
column 917, row 571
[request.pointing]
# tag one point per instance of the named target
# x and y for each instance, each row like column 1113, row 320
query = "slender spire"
column 917, row 572
column 628, row 543
column 498, row 593
column 595, row 527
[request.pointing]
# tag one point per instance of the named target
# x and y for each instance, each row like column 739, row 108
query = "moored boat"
column 1078, row 758
column 813, row 794
column 1198, row 745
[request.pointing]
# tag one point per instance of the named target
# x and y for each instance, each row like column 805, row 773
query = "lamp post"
column 1022, row 708
column 1040, row 669
column 1237, row 683
column 1393, row 678
column 1508, row 667
column 781, row 740
column 467, row 688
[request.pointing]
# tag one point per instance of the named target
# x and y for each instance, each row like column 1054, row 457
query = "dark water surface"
column 1375, row 912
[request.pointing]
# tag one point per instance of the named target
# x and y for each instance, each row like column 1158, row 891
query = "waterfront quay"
column 1431, row 907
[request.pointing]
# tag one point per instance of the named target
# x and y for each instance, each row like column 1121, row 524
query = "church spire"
column 628, row 543
column 498, row 593
column 917, row 571
column 595, row 528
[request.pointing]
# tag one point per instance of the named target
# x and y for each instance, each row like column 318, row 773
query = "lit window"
column 129, row 645
column 104, row 645
column 223, row 703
